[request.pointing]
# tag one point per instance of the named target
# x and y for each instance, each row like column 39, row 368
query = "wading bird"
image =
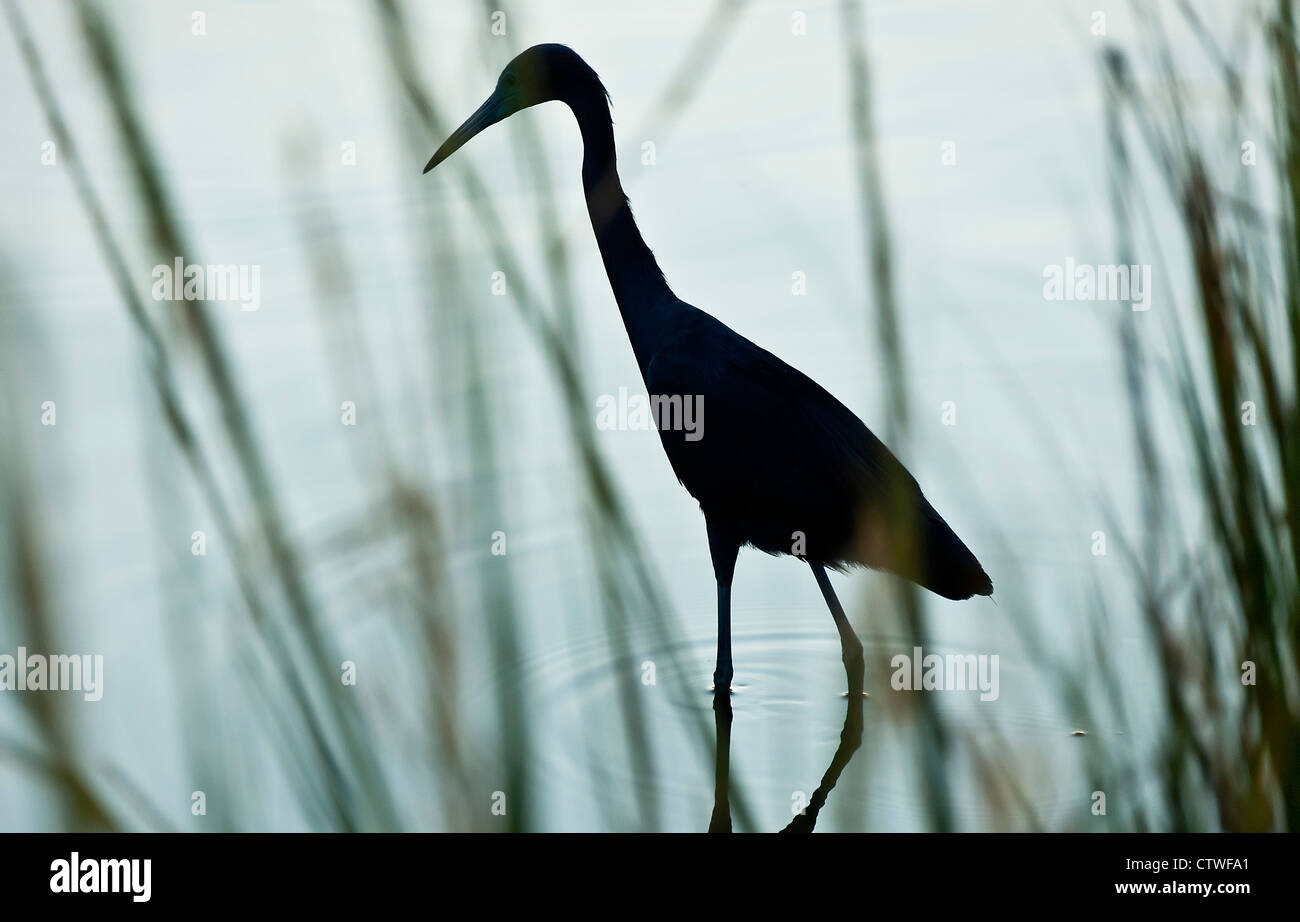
column 782, row 465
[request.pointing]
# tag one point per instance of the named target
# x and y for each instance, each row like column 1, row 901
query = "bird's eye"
column 509, row 80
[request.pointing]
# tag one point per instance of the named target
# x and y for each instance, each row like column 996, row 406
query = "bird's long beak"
column 491, row 112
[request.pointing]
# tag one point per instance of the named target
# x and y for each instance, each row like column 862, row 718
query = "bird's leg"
column 723, row 549
column 723, row 670
column 850, row 646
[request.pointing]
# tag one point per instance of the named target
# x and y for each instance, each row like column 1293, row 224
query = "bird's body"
column 785, row 467
column 780, row 464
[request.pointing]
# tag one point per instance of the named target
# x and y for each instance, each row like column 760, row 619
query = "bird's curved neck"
column 643, row 296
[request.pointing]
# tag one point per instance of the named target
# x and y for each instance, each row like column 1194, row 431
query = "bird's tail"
column 946, row 565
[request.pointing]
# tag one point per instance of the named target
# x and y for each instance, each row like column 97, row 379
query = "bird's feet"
column 722, row 679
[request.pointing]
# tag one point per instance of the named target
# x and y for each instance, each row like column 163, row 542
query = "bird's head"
column 540, row 74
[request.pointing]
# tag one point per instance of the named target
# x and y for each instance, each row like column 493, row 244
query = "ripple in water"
column 789, row 708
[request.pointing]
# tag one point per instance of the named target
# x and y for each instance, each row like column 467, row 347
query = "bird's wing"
column 770, row 433
column 777, row 454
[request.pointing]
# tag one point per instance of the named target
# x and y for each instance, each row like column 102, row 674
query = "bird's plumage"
column 789, row 467
column 780, row 464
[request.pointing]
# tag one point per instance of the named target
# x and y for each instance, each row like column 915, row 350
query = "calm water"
column 752, row 182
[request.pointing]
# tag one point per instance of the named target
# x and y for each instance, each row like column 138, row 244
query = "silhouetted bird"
column 781, row 465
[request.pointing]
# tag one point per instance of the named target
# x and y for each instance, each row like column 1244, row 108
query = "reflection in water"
column 720, row 821
column 850, row 740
